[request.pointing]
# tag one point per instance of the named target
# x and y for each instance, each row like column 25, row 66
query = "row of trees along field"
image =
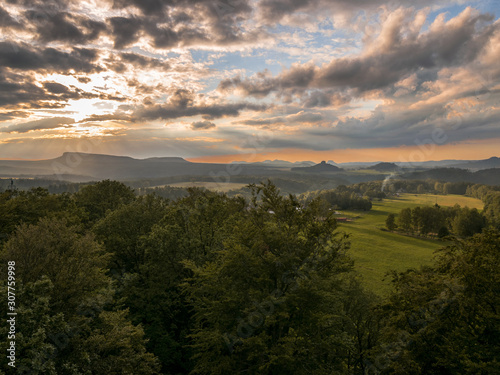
column 108, row 282
column 355, row 196
column 438, row 221
column 443, row 221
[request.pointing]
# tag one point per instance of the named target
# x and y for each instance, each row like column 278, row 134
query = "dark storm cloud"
column 13, row 114
column 274, row 11
column 167, row 34
column 202, row 125
column 144, row 61
column 21, row 90
column 182, row 103
column 126, row 61
column 125, row 30
column 207, row 111
column 6, row 21
column 21, row 56
column 56, row 88
column 451, row 45
column 296, row 118
column 169, row 23
column 320, row 98
column 260, row 86
column 172, row 24
column 166, row 37
column 45, row 124
column 149, row 7
column 222, row 8
column 43, row 4
column 66, row 27
column 109, row 117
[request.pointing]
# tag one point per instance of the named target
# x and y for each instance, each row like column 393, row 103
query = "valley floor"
column 376, row 251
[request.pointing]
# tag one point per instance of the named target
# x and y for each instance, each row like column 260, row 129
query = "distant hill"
column 81, row 167
column 486, row 176
column 492, row 162
column 357, row 165
column 384, row 167
column 86, row 167
column 322, row 167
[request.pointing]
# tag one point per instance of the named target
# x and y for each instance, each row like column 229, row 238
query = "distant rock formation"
column 322, row 167
column 384, row 167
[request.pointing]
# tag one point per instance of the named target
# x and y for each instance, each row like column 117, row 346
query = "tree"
column 443, row 232
column 110, row 343
column 492, row 208
column 29, row 206
column 103, row 196
column 390, row 222
column 66, row 303
column 405, row 219
column 122, row 230
column 192, row 229
column 270, row 302
column 468, row 222
column 444, row 319
column 74, row 263
column 417, row 219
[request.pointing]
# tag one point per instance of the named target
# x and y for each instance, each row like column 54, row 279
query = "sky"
column 251, row 80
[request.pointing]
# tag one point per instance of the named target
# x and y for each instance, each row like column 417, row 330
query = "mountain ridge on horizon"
column 88, row 166
column 268, row 161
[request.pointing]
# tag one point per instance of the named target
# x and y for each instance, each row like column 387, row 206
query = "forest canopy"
column 110, row 282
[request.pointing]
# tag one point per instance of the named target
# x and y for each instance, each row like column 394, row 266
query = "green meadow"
column 376, row 251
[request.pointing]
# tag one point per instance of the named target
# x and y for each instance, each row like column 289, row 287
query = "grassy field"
column 375, row 252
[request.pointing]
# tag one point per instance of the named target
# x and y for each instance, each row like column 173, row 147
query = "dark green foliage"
column 103, row 196
column 445, row 319
column 193, row 228
column 271, row 302
column 405, row 221
column 441, row 221
column 468, row 222
column 443, row 232
column 345, row 200
column 390, row 222
column 74, row 263
column 111, row 283
column 66, row 324
column 492, row 208
column 29, row 206
column 122, row 230
column 167, row 192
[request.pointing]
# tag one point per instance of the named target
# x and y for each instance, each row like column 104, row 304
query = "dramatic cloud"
column 300, row 118
column 295, row 11
column 23, row 57
column 66, row 27
column 6, row 20
column 50, row 123
column 401, row 49
column 207, row 111
column 202, row 125
column 202, row 76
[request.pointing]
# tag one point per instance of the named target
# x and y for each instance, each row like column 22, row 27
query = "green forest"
column 109, row 280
